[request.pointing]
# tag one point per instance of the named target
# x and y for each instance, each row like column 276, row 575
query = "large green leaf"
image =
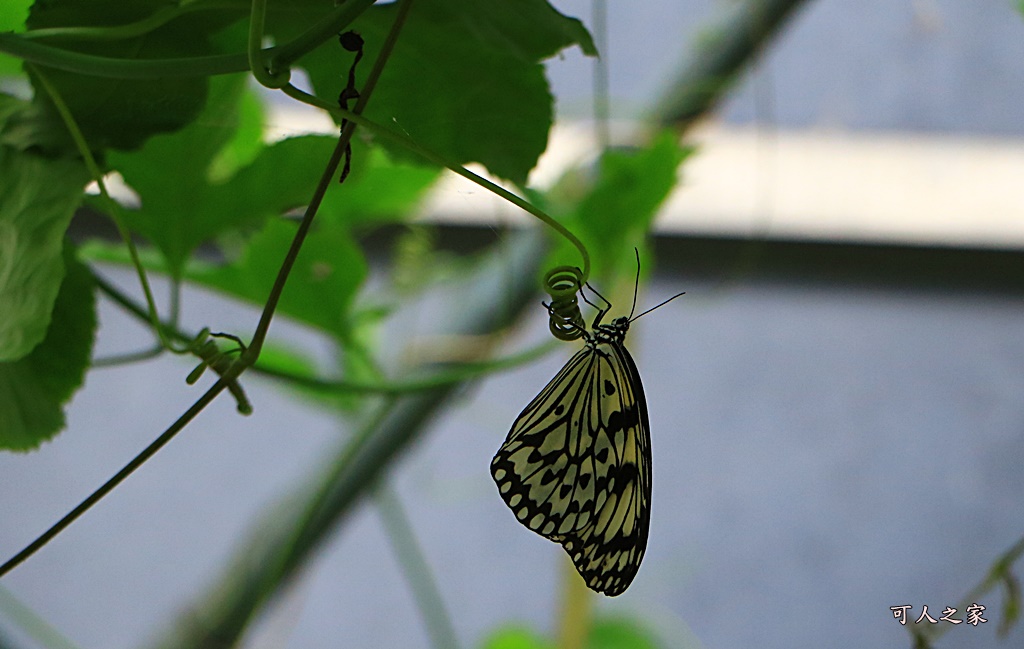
column 331, row 267
column 465, row 79
column 38, row 196
column 34, row 389
column 184, row 205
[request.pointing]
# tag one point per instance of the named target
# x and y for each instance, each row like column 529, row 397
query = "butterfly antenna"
column 636, row 284
column 658, row 306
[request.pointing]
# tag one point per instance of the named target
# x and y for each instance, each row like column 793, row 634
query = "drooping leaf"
column 38, row 196
column 35, row 389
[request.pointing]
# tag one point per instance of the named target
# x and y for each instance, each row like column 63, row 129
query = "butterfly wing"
column 576, row 466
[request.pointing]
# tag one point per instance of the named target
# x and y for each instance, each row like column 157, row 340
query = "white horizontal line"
column 894, row 188
column 821, row 185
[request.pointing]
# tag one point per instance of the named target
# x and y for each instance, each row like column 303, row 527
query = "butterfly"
column 576, row 465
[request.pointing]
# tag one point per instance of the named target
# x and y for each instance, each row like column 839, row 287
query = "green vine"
column 200, row 345
column 229, row 372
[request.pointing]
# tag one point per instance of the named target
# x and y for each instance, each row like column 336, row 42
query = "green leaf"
column 516, row 637
column 13, row 14
column 465, row 79
column 171, row 173
column 325, row 278
column 181, row 210
column 119, row 113
column 38, row 196
column 1011, row 603
column 282, row 176
column 34, row 389
column 245, row 144
column 9, row 108
column 616, row 212
column 620, row 634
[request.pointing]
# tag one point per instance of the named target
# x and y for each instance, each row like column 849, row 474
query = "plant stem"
column 257, row 66
column 599, row 16
column 126, row 471
column 327, row 27
column 130, row 357
column 113, row 208
column 495, row 294
column 464, row 371
column 574, row 621
column 154, row 21
column 116, row 68
column 33, row 624
column 259, row 336
column 247, row 359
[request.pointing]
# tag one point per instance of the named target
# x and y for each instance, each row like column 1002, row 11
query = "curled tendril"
column 211, row 356
column 563, row 283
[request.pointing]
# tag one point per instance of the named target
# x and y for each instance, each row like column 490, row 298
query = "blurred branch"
column 574, row 619
column 31, row 623
column 721, row 55
column 501, row 288
column 415, row 567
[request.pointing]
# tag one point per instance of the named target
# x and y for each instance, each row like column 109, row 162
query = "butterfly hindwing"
column 539, row 466
column 576, row 465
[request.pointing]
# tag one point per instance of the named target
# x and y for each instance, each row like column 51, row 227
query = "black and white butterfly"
column 576, row 465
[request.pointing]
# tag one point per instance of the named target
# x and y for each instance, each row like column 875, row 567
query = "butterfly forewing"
column 576, row 465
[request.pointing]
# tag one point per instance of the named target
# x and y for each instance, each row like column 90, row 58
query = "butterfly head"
column 615, row 331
